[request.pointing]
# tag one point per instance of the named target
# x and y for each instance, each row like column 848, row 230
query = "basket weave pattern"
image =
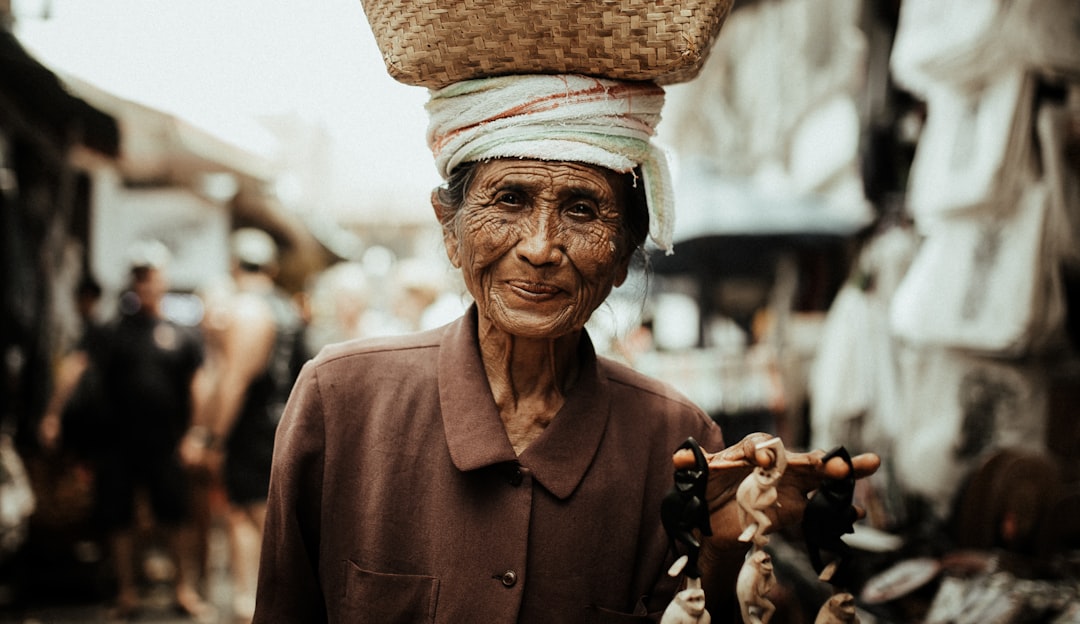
column 433, row 43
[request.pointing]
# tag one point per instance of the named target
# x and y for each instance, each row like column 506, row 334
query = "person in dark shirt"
column 147, row 375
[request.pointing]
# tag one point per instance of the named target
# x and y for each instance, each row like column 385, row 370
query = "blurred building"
column 84, row 173
column 43, row 197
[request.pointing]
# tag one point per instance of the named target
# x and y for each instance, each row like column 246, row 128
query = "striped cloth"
column 567, row 118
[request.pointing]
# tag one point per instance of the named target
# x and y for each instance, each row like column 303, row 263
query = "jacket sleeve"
column 289, row 588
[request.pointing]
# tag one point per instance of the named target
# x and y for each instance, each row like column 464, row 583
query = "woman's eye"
column 582, row 210
column 508, row 198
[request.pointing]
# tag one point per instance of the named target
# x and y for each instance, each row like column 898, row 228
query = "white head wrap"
column 570, row 118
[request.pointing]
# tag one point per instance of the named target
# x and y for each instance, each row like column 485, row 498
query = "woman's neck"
column 529, row 379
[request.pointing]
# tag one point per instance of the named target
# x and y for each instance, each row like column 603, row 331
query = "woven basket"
column 434, row 43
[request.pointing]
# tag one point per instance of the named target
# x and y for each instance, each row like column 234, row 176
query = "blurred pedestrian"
column 76, row 398
column 341, row 305
column 424, row 297
column 210, row 507
column 257, row 330
column 148, row 371
column 415, row 287
column 70, row 436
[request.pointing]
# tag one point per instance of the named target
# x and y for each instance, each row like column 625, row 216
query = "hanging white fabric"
column 985, row 282
column 964, row 42
column 959, row 410
column 973, row 147
column 854, row 383
column 1062, row 180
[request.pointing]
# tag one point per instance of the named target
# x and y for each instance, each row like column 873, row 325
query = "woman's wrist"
column 205, row 437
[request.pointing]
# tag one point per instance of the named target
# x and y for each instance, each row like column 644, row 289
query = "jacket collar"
column 559, row 458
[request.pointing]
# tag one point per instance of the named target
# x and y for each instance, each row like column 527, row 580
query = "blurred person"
column 629, row 348
column 429, row 294
column 148, row 373
column 448, row 306
column 76, row 394
column 208, row 491
column 70, row 432
column 66, row 544
column 340, row 304
column 418, row 285
column 255, row 332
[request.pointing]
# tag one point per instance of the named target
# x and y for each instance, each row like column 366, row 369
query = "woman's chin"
column 536, row 323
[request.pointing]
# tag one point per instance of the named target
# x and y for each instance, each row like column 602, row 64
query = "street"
column 157, row 604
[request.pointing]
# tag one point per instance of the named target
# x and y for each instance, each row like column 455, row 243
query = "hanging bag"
column 984, row 282
column 946, row 42
column 973, row 146
column 965, row 42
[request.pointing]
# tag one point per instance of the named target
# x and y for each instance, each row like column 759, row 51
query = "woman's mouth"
column 534, row 290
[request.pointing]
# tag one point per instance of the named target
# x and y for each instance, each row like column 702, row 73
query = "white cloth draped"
column 571, row 118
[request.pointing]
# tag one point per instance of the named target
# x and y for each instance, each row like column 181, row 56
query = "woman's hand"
column 802, row 475
column 199, row 452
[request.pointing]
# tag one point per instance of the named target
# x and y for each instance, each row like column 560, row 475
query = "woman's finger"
column 865, row 464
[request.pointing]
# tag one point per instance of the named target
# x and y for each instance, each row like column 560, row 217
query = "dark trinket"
column 829, row 514
column 685, row 509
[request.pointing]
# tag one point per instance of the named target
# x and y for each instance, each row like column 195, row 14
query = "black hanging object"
column 829, row 514
column 685, row 509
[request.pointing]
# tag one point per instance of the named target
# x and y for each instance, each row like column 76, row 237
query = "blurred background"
column 876, row 247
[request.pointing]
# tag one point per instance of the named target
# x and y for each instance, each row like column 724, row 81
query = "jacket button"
column 516, row 477
column 508, row 578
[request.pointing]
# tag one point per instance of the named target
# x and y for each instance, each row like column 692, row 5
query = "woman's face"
column 540, row 244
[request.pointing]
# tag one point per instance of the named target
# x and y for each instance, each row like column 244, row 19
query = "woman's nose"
column 539, row 241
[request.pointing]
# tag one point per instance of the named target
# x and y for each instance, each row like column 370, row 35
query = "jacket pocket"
column 599, row 615
column 383, row 598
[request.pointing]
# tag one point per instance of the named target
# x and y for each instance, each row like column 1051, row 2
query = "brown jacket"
column 396, row 496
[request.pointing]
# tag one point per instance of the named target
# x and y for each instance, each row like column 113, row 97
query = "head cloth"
column 570, row 118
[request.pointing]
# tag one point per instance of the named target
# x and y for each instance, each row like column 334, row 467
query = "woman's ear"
column 450, row 240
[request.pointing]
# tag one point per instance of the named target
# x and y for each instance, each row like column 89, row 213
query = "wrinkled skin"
column 540, row 245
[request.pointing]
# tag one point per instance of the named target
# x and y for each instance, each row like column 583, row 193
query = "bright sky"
column 211, row 61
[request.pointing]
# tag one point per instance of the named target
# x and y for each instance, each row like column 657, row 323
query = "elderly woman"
column 496, row 469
